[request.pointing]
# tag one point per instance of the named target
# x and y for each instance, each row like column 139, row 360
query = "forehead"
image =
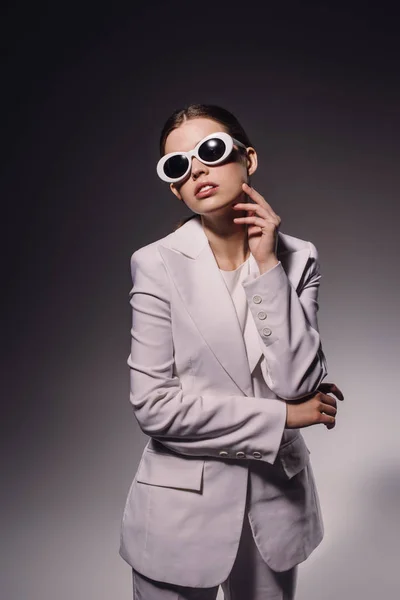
column 187, row 135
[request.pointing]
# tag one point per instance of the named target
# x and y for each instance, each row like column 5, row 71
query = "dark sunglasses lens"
column 176, row 166
column 212, row 149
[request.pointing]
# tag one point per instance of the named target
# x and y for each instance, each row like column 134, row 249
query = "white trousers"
column 250, row 579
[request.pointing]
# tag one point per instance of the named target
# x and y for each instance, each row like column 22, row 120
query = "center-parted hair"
column 229, row 123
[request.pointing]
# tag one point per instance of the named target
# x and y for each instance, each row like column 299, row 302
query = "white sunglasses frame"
column 228, row 140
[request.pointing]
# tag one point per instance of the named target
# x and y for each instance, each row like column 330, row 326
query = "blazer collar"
column 193, row 269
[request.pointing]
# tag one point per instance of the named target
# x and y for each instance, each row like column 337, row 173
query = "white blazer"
column 215, row 413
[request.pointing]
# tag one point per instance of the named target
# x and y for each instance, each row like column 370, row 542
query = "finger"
column 335, row 390
column 328, row 409
column 327, row 399
column 331, row 387
column 251, row 207
column 256, row 196
column 259, row 221
column 328, row 420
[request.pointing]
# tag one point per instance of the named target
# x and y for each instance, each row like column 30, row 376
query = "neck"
column 228, row 241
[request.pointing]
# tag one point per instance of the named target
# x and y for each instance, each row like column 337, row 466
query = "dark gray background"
column 86, row 89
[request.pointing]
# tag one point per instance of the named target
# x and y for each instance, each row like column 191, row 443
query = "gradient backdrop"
column 86, row 89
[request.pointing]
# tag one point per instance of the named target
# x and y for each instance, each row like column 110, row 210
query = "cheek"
column 233, row 176
column 234, row 170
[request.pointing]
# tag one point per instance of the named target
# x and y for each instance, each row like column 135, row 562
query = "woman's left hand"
column 263, row 228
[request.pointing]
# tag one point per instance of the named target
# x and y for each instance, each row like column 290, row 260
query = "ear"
column 252, row 161
column 175, row 191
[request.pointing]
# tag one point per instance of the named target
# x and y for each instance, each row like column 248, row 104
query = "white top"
column 233, row 280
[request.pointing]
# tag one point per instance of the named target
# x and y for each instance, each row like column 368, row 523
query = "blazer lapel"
column 192, row 266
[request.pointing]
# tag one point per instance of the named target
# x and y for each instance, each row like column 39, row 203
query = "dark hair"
column 208, row 111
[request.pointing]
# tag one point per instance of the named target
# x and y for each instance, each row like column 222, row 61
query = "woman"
column 226, row 366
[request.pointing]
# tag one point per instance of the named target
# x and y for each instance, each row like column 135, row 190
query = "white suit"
column 212, row 398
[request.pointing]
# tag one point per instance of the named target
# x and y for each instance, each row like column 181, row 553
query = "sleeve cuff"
column 271, row 281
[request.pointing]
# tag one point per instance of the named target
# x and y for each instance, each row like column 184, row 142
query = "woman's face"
column 228, row 176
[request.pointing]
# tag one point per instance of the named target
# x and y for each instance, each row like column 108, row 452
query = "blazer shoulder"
column 290, row 243
column 150, row 257
column 148, row 271
column 149, row 254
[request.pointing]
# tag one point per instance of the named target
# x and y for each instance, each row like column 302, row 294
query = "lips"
column 203, row 184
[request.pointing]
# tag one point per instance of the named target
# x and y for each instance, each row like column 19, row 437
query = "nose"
column 198, row 167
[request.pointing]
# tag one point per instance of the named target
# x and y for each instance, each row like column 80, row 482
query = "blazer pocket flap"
column 171, row 471
column 294, row 456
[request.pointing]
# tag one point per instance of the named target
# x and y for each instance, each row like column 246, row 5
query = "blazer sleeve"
column 188, row 423
column 287, row 322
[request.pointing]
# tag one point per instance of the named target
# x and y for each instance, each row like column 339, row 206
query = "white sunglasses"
column 211, row 150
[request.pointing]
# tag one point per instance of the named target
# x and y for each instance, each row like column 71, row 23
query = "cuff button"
column 257, row 454
column 240, row 454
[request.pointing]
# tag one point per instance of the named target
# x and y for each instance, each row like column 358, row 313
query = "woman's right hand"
column 319, row 408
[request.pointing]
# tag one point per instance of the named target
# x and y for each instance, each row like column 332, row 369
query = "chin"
column 224, row 209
